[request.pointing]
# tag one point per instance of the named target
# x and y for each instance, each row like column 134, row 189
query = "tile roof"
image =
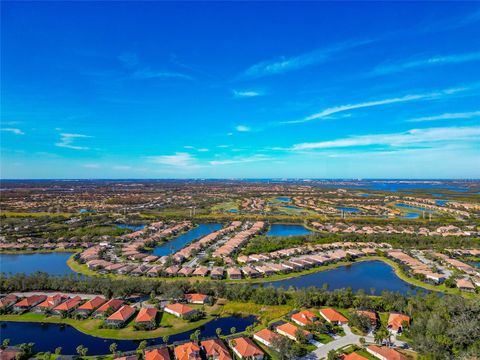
column 187, row 351
column 395, row 320
column 246, row 348
column 387, row 353
column 157, row 354
column 122, row 314
column 333, row 315
column 146, row 315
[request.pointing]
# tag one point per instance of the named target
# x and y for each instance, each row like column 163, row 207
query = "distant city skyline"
column 240, row 90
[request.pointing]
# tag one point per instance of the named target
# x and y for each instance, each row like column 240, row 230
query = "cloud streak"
column 411, row 137
column 13, row 131
column 286, row 64
column 447, row 116
column 246, row 94
column 151, row 74
column 67, row 141
column 432, row 61
column 242, row 128
column 179, row 160
column 401, row 99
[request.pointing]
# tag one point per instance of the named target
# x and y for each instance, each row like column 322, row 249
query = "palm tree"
column 218, row 331
column 233, row 330
column 165, row 338
column 113, row 348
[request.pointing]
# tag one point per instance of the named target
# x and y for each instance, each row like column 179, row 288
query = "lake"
column 441, row 202
column 349, row 209
column 362, row 275
column 410, row 215
column 475, row 263
column 180, row 241
column 287, row 230
column 131, row 227
column 49, row 336
column 411, row 207
column 283, row 199
column 52, row 263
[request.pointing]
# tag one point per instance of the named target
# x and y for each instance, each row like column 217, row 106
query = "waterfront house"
column 146, row 318
column 396, row 322
column 234, row 273
column 129, row 357
column 67, row 306
column 121, row 316
column 187, row 351
column 333, row 316
column 372, row 315
column 465, row 285
column 157, row 354
column 201, row 271
column 185, row 271
column 197, row 298
column 28, row 303
column 217, row 273
column 180, row 310
column 88, row 307
column 215, row 349
column 385, row 353
column 304, row 317
column 354, row 356
column 172, row 270
column 291, row 331
column 265, row 336
column 250, row 272
column 109, row 307
column 50, row 302
column 7, row 302
column 244, row 348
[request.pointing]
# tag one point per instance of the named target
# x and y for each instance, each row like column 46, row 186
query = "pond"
column 52, row 263
column 292, row 207
column 441, row 202
column 410, row 215
column 49, row 336
column 180, row 241
column 283, row 199
column 232, row 211
column 364, row 275
column 349, row 209
column 411, row 207
column 287, row 230
column 475, row 263
column 131, row 227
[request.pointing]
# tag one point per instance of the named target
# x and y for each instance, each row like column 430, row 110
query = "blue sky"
column 237, row 90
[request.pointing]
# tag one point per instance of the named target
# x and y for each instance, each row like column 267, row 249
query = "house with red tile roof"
column 28, row 303
column 333, row 316
column 372, row 315
column 385, row 353
column 67, row 306
column 90, row 306
column 215, row 349
column 147, row 318
column 396, row 322
column 180, row 310
column 109, row 307
column 291, row 331
column 157, row 354
column 120, row 317
column 354, row 356
column 9, row 354
column 304, row 317
column 244, row 348
column 187, row 351
column 265, row 336
column 7, row 302
column 50, row 302
column 197, row 298
column 129, row 357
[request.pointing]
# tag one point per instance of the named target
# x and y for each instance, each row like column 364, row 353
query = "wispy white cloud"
column 179, row 159
column 418, row 137
column 246, row 93
column 91, row 166
column 243, row 128
column 67, row 141
column 431, row 61
column 151, row 74
column 446, row 116
column 401, row 99
column 13, row 131
column 240, row 160
column 286, row 64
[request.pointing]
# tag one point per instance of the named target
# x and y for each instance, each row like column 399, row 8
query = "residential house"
column 28, row 303
column 7, row 302
column 304, row 317
column 187, row 351
column 333, row 316
column 121, row 316
column 157, row 354
column 67, row 306
column 108, row 308
column 146, row 318
column 354, row 356
column 234, row 273
column 50, row 302
column 396, row 322
column 180, row 310
column 291, row 331
column 385, row 353
column 372, row 315
column 197, row 298
column 215, row 349
column 265, row 336
column 465, row 285
column 87, row 308
column 244, row 348
column 217, row 273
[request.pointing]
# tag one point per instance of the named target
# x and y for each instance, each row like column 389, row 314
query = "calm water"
column 180, row 241
column 475, row 263
column 292, row 207
column 362, row 275
column 441, row 202
column 49, row 336
column 131, row 227
column 410, row 215
column 287, row 230
column 283, row 199
column 405, row 206
column 349, row 209
column 233, row 211
column 52, row 263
